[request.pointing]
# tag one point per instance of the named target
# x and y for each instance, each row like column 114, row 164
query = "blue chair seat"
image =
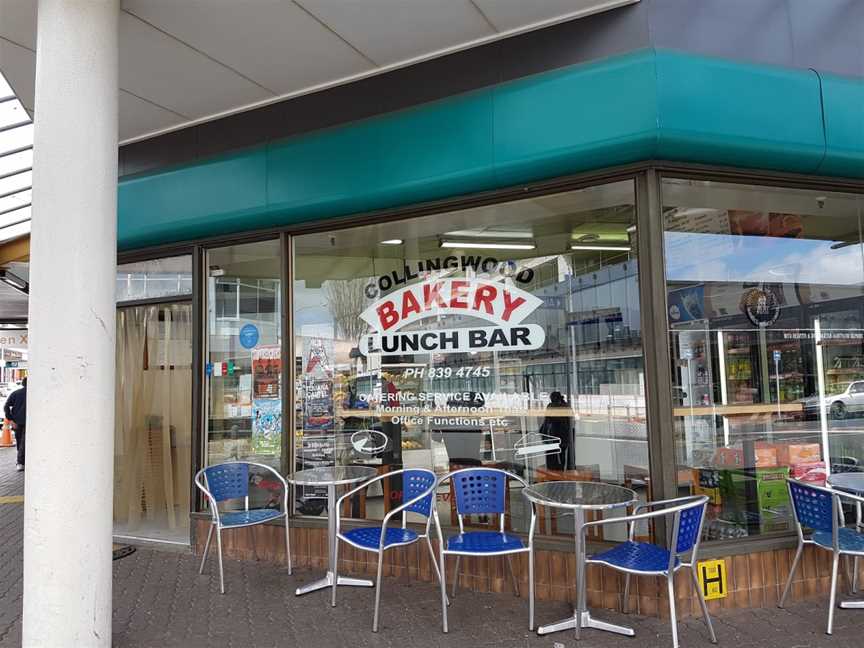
column 484, row 542
column 242, row 518
column 370, row 537
column 850, row 540
column 635, row 556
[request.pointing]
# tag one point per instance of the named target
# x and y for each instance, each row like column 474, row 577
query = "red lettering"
column 458, row 294
column 485, row 295
column 433, row 292
column 510, row 305
column 409, row 304
column 387, row 315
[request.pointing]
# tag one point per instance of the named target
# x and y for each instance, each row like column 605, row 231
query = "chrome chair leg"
column 791, row 575
column 833, row 599
column 455, row 576
column 702, row 604
column 206, row 549
column 442, row 576
column 531, row 590
column 377, row 590
column 673, row 618
column 335, row 572
column 855, row 575
column 625, row 606
column 288, row 545
column 221, row 572
column 435, row 565
column 513, row 575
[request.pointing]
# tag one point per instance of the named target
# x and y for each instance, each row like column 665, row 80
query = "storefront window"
column 243, row 356
column 767, row 339
column 505, row 336
column 157, row 278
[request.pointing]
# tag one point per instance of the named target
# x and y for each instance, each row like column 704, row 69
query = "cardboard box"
column 765, row 456
column 732, row 457
column 789, row 454
column 756, row 490
column 812, row 472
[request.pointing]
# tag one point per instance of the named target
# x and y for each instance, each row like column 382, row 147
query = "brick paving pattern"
column 160, row 601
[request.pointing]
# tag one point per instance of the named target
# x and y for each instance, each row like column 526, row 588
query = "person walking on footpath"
column 16, row 411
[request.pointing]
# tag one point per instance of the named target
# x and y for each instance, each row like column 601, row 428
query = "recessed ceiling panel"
column 137, row 116
column 389, row 31
column 18, row 22
column 18, row 65
column 274, row 43
column 161, row 69
column 516, row 14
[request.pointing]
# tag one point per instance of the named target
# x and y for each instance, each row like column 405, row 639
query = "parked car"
column 839, row 406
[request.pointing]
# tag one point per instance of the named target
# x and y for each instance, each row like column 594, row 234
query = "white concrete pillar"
column 70, row 422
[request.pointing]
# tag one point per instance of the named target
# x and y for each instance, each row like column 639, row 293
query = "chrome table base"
column 327, row 581
column 586, row 621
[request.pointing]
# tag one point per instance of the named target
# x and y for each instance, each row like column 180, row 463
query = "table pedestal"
column 327, row 581
column 586, row 621
column 581, row 616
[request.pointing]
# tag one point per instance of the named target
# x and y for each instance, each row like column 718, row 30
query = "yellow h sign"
column 712, row 578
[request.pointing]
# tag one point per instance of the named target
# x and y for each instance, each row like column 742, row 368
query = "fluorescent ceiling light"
column 14, row 281
column 490, row 233
column 478, row 245
column 603, row 248
column 392, row 242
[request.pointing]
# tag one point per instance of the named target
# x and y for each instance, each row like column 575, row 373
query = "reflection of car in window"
column 840, row 405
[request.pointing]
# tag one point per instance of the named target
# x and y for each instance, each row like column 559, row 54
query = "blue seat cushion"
column 849, row 540
column 635, row 556
column 244, row 518
column 370, row 537
column 481, row 542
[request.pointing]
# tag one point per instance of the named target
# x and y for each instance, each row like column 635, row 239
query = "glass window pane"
column 16, row 182
column 506, row 336
column 16, row 138
column 244, row 359
column 12, row 112
column 16, row 162
column 766, row 325
column 166, row 277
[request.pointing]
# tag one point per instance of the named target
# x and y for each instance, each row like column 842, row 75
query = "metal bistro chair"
column 819, row 509
column 646, row 559
column 483, row 491
column 229, row 481
column 418, row 496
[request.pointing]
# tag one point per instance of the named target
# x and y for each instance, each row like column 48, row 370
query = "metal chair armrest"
column 405, row 505
column 214, row 508
column 640, row 516
column 666, row 502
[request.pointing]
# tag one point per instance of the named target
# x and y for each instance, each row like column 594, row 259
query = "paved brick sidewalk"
column 160, row 600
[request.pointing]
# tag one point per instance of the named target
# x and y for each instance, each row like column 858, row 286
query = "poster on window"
column 267, row 426
column 317, row 385
column 266, row 369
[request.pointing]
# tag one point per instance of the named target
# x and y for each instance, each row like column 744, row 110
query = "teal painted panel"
column 721, row 112
column 221, row 194
column 432, row 151
column 843, row 103
column 576, row 119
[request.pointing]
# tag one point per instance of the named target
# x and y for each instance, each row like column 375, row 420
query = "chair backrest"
column 228, row 480
column 689, row 526
column 480, row 491
column 414, row 483
column 813, row 506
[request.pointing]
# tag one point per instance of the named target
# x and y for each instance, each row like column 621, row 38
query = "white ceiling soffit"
column 191, row 61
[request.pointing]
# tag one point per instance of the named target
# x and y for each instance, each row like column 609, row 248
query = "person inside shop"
column 16, row 411
column 559, row 424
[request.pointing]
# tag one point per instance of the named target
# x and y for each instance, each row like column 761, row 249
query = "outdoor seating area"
column 481, row 491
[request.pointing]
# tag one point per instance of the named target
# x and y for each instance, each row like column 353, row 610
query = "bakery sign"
column 504, row 307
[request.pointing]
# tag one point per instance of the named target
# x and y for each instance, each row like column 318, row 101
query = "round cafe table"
column 851, row 482
column 331, row 477
column 579, row 497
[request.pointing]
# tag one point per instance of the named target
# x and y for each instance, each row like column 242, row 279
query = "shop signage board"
column 504, row 306
column 712, row 578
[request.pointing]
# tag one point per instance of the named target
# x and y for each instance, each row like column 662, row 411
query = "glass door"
column 153, row 428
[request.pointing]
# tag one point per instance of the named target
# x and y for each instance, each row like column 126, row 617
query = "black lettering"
column 451, row 262
column 519, row 335
column 476, row 338
column 448, row 339
column 397, row 279
column 408, row 274
column 525, row 276
column 393, row 345
column 709, row 580
column 385, row 283
column 427, row 341
column 433, row 264
column 498, row 338
column 470, row 262
column 409, row 342
column 489, row 264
